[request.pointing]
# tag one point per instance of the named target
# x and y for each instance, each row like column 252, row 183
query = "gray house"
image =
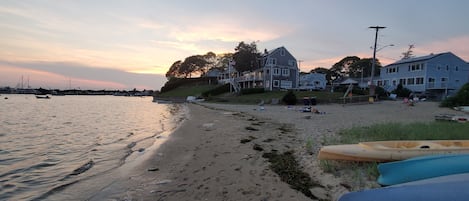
column 435, row 74
column 278, row 70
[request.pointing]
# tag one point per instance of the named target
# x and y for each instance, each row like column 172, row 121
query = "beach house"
column 312, row 81
column 277, row 70
column 436, row 75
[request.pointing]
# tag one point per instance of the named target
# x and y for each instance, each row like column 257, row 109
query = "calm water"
column 49, row 145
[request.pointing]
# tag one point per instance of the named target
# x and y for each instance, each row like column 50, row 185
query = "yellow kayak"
column 380, row 151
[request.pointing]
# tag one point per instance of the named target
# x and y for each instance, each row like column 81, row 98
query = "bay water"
column 50, row 145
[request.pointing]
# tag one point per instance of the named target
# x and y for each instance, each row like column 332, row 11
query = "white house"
column 312, row 81
column 435, row 74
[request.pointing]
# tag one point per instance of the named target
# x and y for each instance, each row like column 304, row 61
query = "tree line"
column 246, row 58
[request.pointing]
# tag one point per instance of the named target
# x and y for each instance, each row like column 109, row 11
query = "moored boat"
column 381, row 151
column 42, row 97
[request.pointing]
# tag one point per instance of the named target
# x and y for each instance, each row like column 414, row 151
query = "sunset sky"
column 126, row 44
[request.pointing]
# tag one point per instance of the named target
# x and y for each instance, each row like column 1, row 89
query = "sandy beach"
column 217, row 153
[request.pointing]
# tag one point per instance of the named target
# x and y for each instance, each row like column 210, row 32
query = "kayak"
column 382, row 151
column 419, row 168
column 440, row 191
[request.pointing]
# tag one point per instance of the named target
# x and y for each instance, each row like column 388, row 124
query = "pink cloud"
column 456, row 45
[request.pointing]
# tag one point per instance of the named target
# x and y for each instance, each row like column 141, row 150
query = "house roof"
column 416, row 59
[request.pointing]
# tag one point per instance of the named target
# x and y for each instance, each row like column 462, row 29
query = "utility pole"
column 372, row 86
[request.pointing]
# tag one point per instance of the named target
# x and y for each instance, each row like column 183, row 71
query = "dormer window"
column 282, row 52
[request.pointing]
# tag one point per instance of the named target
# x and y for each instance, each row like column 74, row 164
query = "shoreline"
column 213, row 154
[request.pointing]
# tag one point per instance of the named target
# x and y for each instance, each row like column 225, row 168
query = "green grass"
column 412, row 131
column 197, row 90
column 321, row 97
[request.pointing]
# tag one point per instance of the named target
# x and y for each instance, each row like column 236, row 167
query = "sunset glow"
column 144, row 39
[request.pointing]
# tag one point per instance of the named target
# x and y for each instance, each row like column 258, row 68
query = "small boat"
column 419, row 168
column 42, row 97
column 439, row 191
column 382, row 151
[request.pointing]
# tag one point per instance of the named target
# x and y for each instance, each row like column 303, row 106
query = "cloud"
column 53, row 74
column 456, row 45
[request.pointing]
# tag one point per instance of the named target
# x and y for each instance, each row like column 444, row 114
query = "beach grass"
column 413, row 131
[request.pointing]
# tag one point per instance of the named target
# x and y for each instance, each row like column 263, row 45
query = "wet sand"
column 217, row 153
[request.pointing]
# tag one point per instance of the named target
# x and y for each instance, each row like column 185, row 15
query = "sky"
column 127, row 44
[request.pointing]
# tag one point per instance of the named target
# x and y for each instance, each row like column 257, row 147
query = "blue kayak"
column 422, row 168
column 439, row 191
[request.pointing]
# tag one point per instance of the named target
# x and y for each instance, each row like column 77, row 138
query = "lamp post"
column 372, row 85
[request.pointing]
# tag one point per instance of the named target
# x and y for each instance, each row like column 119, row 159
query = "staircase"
column 235, row 85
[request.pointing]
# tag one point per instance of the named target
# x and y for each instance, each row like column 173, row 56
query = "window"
column 273, row 61
column 276, row 83
column 286, row 72
column 386, row 82
column 444, row 79
column 410, row 81
column 456, row 68
column 416, row 67
column 291, row 63
column 276, row 71
column 402, row 81
column 267, row 71
column 282, row 52
column 380, row 83
column 267, row 83
column 419, row 80
column 285, row 84
column 447, row 67
column 392, row 70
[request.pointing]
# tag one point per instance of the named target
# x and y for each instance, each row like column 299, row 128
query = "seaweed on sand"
column 289, row 171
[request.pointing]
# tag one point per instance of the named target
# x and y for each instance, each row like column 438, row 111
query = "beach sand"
column 217, row 153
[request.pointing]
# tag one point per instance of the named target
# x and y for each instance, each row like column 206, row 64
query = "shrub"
column 252, row 91
column 217, row 91
column 400, row 91
column 461, row 98
column 289, row 98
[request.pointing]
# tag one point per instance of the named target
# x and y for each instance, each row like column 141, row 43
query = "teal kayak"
column 419, row 168
column 433, row 191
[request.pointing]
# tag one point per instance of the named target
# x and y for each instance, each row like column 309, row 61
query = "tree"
column 246, row 57
column 409, row 53
column 365, row 65
column 174, row 70
column 341, row 68
column 193, row 64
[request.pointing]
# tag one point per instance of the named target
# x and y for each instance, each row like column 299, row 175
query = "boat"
column 384, row 151
column 424, row 167
column 439, row 191
column 42, row 97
